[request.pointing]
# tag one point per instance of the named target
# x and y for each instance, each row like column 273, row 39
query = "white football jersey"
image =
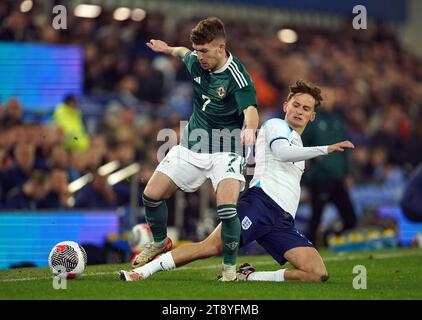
column 279, row 180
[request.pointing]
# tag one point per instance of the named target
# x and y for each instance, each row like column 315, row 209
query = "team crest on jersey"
column 221, row 92
column 246, row 223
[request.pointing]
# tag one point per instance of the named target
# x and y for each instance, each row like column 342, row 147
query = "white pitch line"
column 258, row 263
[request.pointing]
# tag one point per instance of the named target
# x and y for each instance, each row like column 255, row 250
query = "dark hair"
column 302, row 86
column 69, row 98
column 207, row 30
column 39, row 177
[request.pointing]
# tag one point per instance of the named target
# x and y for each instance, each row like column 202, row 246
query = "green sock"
column 156, row 214
column 230, row 232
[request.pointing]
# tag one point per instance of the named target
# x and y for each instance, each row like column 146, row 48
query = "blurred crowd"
column 373, row 82
column 37, row 162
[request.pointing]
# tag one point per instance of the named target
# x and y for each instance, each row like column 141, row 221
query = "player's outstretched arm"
column 161, row 46
column 340, row 146
column 291, row 153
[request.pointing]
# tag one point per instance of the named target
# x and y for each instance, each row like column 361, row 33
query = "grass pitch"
column 391, row 274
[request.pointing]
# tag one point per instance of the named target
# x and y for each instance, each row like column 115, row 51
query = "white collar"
column 226, row 65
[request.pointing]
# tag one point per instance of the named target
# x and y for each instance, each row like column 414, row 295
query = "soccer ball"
column 67, row 259
column 139, row 237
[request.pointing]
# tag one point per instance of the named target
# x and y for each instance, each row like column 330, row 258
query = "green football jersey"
column 219, row 99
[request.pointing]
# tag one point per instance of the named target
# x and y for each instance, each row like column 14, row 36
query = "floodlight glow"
column 121, row 14
column 287, row 35
column 87, row 11
column 26, row 6
column 138, row 14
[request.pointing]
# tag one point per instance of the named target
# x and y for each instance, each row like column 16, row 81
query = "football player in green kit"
column 223, row 123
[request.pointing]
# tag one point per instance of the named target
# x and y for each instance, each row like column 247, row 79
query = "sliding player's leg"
column 288, row 245
column 211, row 246
column 264, row 221
column 308, row 264
column 178, row 257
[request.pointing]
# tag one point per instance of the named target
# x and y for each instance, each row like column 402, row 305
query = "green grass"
column 391, row 274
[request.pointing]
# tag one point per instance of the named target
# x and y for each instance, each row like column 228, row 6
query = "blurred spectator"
column 97, row 194
column 126, row 156
column 328, row 175
column 266, row 93
column 6, row 161
column 59, row 158
column 17, row 27
column 151, row 81
column 69, row 118
column 99, row 143
column 12, row 114
column 79, row 162
column 3, row 167
column 24, row 159
column 31, row 194
column 362, row 169
column 58, row 195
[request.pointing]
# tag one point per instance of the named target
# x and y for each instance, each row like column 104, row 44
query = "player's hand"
column 248, row 137
column 340, row 146
column 158, row 46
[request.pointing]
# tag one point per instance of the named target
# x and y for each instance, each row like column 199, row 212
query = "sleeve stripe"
column 242, row 77
column 277, row 138
column 235, row 77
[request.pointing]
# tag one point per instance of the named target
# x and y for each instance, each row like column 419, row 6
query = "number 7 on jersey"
column 207, row 100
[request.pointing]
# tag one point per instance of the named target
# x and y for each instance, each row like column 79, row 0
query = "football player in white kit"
column 267, row 209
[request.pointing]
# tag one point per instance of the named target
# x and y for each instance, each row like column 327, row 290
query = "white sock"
column 267, row 276
column 164, row 262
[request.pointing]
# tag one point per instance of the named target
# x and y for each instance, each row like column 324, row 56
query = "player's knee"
column 321, row 273
column 151, row 193
column 155, row 193
column 314, row 271
column 148, row 198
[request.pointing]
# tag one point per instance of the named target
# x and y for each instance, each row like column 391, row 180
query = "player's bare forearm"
column 251, row 118
column 161, row 46
column 248, row 135
column 178, row 51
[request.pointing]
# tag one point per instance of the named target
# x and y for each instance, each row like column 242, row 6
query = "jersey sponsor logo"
column 221, row 92
column 198, row 80
column 246, row 223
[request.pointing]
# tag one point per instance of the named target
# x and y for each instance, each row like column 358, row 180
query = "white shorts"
column 189, row 170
